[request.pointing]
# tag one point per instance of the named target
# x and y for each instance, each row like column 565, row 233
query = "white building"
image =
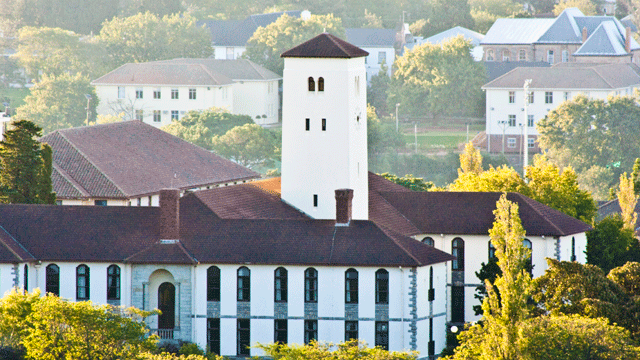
column 381, row 44
column 163, row 91
column 549, row 88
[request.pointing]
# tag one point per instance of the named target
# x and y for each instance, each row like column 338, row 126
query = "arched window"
column 457, row 250
column 25, row 283
column 492, row 251
column 321, row 84
column 312, row 84
column 382, row 286
column 113, row 282
column 310, row 285
column 244, row 284
column 280, row 285
column 53, row 279
column 429, row 241
column 489, row 55
column 82, row 282
column 213, row 283
column 527, row 244
column 167, row 306
column 351, row 286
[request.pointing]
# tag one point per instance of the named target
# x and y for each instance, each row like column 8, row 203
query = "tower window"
column 307, row 124
column 315, row 200
column 324, row 124
column 312, row 84
column 321, row 84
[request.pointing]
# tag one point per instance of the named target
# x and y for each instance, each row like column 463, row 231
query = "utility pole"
column 525, row 163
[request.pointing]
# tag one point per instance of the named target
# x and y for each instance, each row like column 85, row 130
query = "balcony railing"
column 165, row 334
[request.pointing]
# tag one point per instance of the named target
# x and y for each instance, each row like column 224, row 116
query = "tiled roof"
column 516, row 31
column 131, row 158
column 325, row 46
column 11, row 250
column 163, row 252
column 495, row 69
column 237, row 70
column 442, row 213
column 371, row 37
column 162, row 73
column 570, row 76
column 613, row 207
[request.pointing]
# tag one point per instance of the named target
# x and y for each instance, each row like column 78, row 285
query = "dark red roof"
column 325, row 46
column 472, row 213
column 130, row 158
column 163, row 252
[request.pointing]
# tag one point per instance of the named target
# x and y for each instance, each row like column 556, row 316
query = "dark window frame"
column 310, row 331
column 429, row 241
column 350, row 330
column 213, row 283
column 280, row 331
column 243, row 337
column 351, row 286
column 86, row 276
column 243, row 285
column 382, row 334
column 311, row 84
column 213, row 335
column 113, row 282
column 280, row 285
column 382, row 286
column 311, row 285
column 175, row 94
column 321, row 84
column 52, row 282
column 457, row 250
column 192, row 94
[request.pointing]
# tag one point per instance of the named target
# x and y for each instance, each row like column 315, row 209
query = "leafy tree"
column 587, row 7
column 248, row 145
column 470, row 160
column 156, row 7
column 444, row 15
column 410, row 182
column 352, row 349
column 147, row 37
column 15, row 307
column 575, row 337
column 48, row 51
column 25, row 166
column 199, row 127
column 429, row 75
column 583, row 132
column 377, row 89
column 635, row 176
column 168, row 356
column 381, row 135
column 267, row 43
column 610, row 245
column 59, row 102
column 496, row 337
column 628, row 199
column 627, row 276
column 502, row 178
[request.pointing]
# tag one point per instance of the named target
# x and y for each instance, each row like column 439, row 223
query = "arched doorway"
column 167, row 305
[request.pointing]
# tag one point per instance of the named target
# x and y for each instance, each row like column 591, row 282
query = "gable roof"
column 441, row 213
column 237, row 33
column 163, row 73
column 579, row 76
column 564, row 29
column 516, row 31
column 371, row 37
column 236, row 70
column 612, row 207
column 605, row 41
column 325, row 45
column 130, row 158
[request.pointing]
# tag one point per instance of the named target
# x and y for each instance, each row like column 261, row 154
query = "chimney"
column 344, row 198
column 627, row 40
column 169, row 214
column 584, row 34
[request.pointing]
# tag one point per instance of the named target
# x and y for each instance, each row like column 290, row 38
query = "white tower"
column 324, row 126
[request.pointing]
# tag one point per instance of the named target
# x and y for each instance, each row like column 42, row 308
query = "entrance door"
column 167, row 304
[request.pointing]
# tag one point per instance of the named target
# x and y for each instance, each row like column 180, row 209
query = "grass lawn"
column 15, row 96
column 439, row 139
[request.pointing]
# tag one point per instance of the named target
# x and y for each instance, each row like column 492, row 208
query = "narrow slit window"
column 324, row 124
column 312, row 84
column 307, row 124
column 315, row 200
column 321, row 84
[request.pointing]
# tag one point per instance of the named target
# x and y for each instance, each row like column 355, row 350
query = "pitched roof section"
column 516, row 31
column 605, row 41
column 163, row 252
column 163, row 73
column 237, row 70
column 371, row 37
column 131, row 158
column 440, row 213
column 579, row 76
column 495, row 69
column 474, row 37
column 325, row 45
column 564, row 29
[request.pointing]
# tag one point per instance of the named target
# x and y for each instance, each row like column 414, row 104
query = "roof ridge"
column 595, row 69
column 84, row 156
column 333, row 40
column 70, row 179
column 396, row 209
column 15, row 241
column 187, row 253
column 391, row 235
column 526, row 200
column 210, row 73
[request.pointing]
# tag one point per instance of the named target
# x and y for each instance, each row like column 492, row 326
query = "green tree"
column 48, row 51
column 59, row 102
column 470, row 160
column 582, row 133
column 410, row 182
column 635, row 176
column 147, row 37
column 628, row 199
column 352, row 349
column 610, row 245
column 267, row 43
column 25, row 166
column 428, row 76
column 377, row 89
column 248, row 145
column 15, row 307
column 444, row 15
column 587, row 7
column 381, row 135
column 199, row 127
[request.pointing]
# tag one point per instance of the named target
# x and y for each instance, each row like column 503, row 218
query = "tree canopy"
column 267, row 43
column 25, row 166
column 610, row 244
column 427, row 77
column 352, row 349
column 410, row 182
column 248, row 145
column 59, row 102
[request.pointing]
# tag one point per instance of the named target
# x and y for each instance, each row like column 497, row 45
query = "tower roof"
column 325, row 46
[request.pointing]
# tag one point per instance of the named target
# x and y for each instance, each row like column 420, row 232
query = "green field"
column 15, row 97
column 433, row 140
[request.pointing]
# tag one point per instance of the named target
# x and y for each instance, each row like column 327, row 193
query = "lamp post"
column 503, row 126
column 525, row 161
column 88, row 96
column 397, row 106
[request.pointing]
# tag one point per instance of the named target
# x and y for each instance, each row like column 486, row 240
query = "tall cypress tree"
column 25, row 166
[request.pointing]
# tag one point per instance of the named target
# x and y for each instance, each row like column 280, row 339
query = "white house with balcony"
column 550, row 86
column 163, row 91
